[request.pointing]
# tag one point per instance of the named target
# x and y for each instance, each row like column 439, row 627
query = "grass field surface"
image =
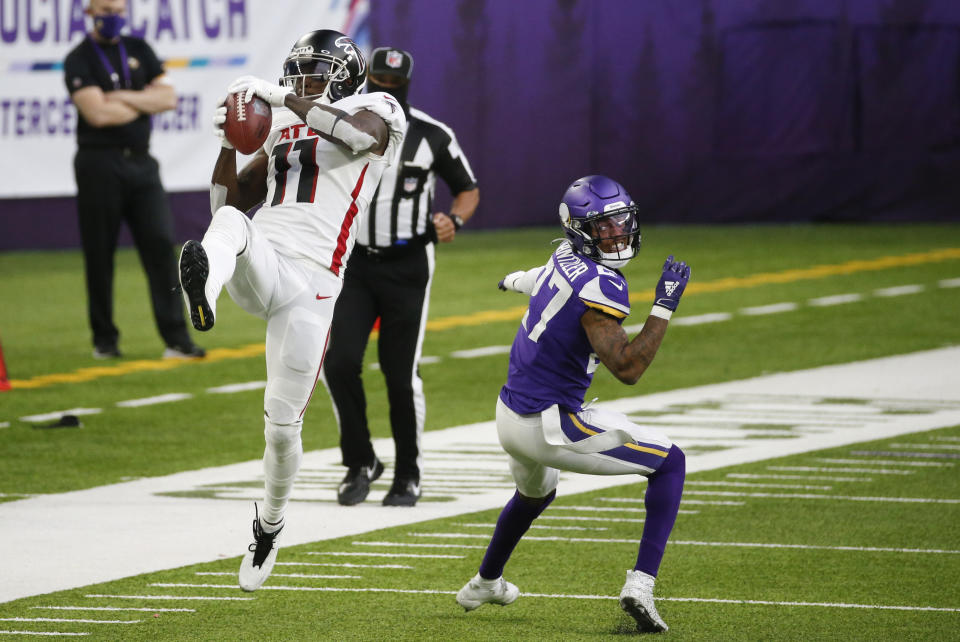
column 762, row 300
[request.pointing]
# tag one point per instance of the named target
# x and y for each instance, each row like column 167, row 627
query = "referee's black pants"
column 396, row 289
column 114, row 185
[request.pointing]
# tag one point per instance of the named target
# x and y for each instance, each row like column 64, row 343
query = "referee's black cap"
column 391, row 61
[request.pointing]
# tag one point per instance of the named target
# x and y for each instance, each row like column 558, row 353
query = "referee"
column 388, row 276
column 117, row 82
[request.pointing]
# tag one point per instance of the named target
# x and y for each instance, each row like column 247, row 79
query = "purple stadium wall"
column 706, row 110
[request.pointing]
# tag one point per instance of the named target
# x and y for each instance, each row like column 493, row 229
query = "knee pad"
column 284, row 401
column 229, row 226
column 281, row 436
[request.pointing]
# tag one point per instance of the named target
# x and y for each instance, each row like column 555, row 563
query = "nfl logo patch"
column 394, row 59
column 410, row 184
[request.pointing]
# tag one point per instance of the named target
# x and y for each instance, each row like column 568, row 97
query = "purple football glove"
column 672, row 283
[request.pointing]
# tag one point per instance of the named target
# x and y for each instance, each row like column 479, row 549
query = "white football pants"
column 535, row 462
column 296, row 300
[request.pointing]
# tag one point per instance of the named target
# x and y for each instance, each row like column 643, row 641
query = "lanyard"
column 124, row 65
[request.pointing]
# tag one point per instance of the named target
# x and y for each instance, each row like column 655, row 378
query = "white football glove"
column 251, row 85
column 219, row 118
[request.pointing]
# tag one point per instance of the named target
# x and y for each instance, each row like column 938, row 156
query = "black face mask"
column 400, row 93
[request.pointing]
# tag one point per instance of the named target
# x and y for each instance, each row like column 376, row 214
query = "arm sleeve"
column 77, row 73
column 522, row 281
column 453, row 167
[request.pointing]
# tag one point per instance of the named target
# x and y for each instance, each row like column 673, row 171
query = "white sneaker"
column 258, row 563
column 636, row 598
column 479, row 591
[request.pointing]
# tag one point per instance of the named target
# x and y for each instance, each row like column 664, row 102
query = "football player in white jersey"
column 315, row 175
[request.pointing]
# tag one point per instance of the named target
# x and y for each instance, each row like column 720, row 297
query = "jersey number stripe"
column 305, row 166
column 556, row 303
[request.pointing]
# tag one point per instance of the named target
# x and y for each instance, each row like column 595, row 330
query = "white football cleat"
column 479, row 591
column 636, row 598
column 257, row 564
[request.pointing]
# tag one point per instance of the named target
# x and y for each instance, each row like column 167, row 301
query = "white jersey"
column 317, row 190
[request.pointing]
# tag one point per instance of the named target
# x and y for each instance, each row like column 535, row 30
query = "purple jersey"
column 552, row 361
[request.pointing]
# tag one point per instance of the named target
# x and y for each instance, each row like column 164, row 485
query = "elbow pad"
column 336, row 127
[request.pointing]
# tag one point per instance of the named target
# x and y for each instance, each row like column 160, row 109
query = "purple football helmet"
column 600, row 220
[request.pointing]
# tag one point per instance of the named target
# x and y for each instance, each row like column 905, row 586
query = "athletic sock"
column 281, row 461
column 662, row 501
column 514, row 521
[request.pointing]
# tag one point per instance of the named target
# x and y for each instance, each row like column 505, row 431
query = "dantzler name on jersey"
column 551, row 360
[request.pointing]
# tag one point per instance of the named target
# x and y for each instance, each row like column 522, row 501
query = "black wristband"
column 457, row 221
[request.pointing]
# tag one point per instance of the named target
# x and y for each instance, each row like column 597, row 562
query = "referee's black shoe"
column 405, row 491
column 356, row 484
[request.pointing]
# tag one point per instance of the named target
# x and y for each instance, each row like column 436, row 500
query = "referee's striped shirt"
column 402, row 206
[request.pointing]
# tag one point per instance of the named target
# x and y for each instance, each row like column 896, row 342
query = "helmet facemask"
column 299, row 68
column 611, row 237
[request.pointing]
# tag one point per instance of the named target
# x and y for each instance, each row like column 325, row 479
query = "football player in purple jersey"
column 578, row 301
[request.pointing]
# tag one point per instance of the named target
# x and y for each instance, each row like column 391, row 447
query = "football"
column 247, row 124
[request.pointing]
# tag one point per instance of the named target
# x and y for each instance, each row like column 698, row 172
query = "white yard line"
column 700, row 319
column 374, row 589
column 346, row 565
column 753, row 485
column 55, row 530
column 886, row 462
column 773, row 308
column 804, row 477
column 153, row 401
column 374, row 554
column 926, row 446
column 168, row 597
column 238, row 387
column 415, row 544
column 579, row 518
column 898, row 290
column 60, row 619
column 869, row 471
column 617, row 540
column 43, row 633
column 851, row 498
column 49, row 416
column 114, row 608
column 487, row 351
column 312, row 576
column 835, row 299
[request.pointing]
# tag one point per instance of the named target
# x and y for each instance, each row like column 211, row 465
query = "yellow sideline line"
column 512, row 314
column 730, row 283
column 143, row 365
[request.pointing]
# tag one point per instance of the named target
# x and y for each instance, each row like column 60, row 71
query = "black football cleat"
column 194, row 269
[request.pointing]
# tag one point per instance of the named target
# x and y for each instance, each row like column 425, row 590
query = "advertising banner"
column 204, row 44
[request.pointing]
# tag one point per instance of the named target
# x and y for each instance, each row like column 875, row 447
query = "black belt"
column 401, row 249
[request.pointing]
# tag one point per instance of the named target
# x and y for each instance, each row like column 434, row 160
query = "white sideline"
column 343, row 589
column 84, row 537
